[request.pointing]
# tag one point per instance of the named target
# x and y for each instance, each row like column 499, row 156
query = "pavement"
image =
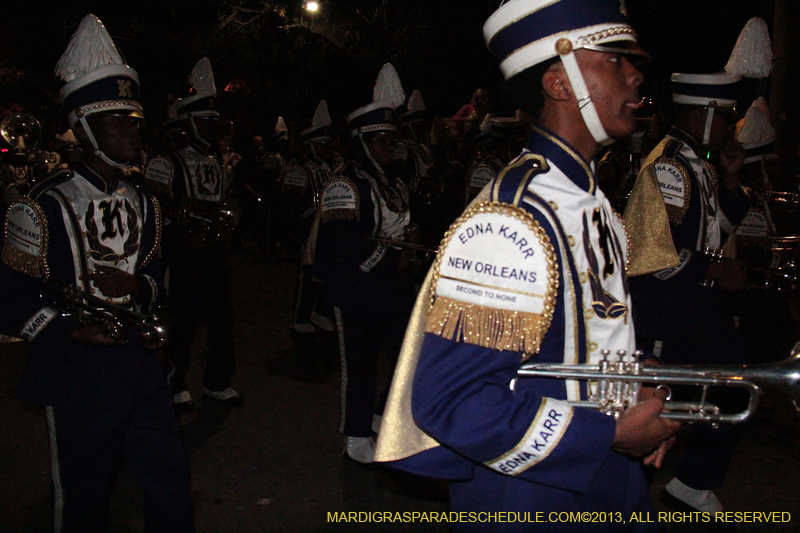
column 275, row 464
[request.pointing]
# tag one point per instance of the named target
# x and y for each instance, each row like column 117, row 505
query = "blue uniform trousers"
column 200, row 294
column 144, row 432
column 365, row 324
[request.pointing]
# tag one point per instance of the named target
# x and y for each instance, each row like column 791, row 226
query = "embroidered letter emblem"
column 125, row 88
column 109, row 216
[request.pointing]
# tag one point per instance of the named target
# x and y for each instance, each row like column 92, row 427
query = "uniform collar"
column 97, row 181
column 685, row 138
column 557, row 150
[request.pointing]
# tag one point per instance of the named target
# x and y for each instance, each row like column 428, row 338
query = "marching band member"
column 302, row 188
column 195, row 189
column 363, row 276
column 680, row 214
column 93, row 229
column 534, row 269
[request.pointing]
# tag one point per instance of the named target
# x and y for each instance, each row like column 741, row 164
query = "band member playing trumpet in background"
column 535, row 269
column 92, row 229
column 366, row 280
column 681, row 211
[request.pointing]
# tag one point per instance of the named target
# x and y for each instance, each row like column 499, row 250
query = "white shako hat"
column 97, row 79
column 387, row 96
column 718, row 89
column 756, row 134
column 202, row 101
column 320, row 125
column 524, row 33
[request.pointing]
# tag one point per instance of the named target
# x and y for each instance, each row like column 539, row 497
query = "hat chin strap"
column 369, row 155
column 201, row 143
column 588, row 111
column 98, row 152
column 709, row 119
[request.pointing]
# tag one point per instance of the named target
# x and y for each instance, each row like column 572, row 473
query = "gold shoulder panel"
column 26, row 238
column 647, row 222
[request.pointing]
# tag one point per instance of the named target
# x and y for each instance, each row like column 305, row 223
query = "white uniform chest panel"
column 109, row 227
column 597, row 242
column 204, row 176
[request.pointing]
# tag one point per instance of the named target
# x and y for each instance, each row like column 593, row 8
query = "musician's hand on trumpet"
column 114, row 282
column 97, row 334
column 641, row 431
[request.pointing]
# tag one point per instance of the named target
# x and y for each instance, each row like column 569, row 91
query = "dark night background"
column 284, row 60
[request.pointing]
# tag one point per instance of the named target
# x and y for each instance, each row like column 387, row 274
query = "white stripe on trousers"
column 58, row 507
column 340, row 330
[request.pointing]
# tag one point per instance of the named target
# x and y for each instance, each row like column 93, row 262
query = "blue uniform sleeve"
column 462, row 398
column 29, row 312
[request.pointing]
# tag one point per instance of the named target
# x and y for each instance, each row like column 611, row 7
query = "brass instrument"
column 615, row 385
column 24, row 162
column 206, row 222
column 86, row 308
column 419, row 252
column 782, row 273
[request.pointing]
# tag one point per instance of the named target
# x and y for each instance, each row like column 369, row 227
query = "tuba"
column 89, row 309
column 615, row 385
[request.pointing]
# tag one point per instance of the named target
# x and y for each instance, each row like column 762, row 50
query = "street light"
column 312, row 6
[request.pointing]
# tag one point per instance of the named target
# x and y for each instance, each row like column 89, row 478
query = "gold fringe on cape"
column 20, row 261
column 498, row 329
column 339, row 214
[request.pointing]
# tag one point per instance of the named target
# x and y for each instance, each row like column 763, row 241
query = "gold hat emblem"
column 622, row 8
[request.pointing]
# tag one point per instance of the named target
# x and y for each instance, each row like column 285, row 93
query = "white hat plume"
column 388, row 87
column 755, row 129
column 752, row 54
column 321, row 116
column 89, row 48
column 202, row 78
column 415, row 102
column 280, row 126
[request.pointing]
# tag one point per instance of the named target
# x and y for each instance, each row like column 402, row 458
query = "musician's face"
column 118, row 136
column 381, row 147
column 613, row 83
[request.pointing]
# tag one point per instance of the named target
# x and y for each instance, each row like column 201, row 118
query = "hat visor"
column 132, row 113
column 636, row 54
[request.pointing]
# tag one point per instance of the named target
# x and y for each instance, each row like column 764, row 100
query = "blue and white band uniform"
column 522, row 448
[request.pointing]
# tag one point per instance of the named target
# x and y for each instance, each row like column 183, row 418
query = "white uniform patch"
column 481, row 175
column 296, row 178
column 159, row 171
column 674, row 183
column 495, row 280
column 754, row 224
column 495, row 261
column 543, row 436
column 25, row 245
column 37, row 322
column 340, row 200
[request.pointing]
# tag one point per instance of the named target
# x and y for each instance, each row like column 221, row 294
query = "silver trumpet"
column 89, row 309
column 419, row 253
column 615, row 384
